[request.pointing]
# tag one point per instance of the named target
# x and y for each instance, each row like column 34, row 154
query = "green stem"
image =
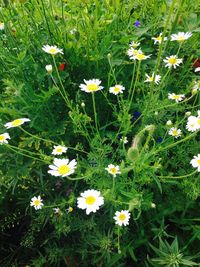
column 134, row 87
column 95, row 113
column 177, row 177
column 118, row 241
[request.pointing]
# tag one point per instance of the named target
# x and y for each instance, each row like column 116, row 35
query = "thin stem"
column 95, row 113
column 177, row 177
column 136, row 79
column 118, row 241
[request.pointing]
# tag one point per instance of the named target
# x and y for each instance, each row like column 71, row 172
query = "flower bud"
column 169, row 123
column 82, row 104
column 48, row 68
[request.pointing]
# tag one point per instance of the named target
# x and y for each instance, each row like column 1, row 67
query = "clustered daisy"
column 62, row 167
column 196, row 162
column 52, row 49
column 158, row 39
column 90, row 86
column 16, row 123
column 181, row 36
column 175, row 132
column 175, row 97
column 134, row 44
column 112, row 169
column 117, row 89
column 4, row 137
column 193, row 123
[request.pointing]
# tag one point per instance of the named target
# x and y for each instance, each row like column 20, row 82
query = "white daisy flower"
column 197, row 69
column 3, row 138
column 192, row 124
column 59, row 150
column 56, row 210
column 16, row 123
column 196, row 87
column 90, row 201
column 90, row 86
column 173, row 61
column 196, row 162
column 134, row 44
column 62, row 167
column 122, row 217
column 117, row 89
column 175, row 132
column 175, row 97
column 181, row 36
column 136, row 54
column 124, row 139
column 150, row 78
column 158, row 39
column 52, row 49
column 2, row 26
column 36, row 202
column 112, row 169
column 49, row 68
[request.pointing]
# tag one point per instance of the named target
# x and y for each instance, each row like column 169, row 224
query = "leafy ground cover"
column 99, row 133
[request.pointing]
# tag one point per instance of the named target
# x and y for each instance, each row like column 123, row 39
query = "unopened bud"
column 82, row 104
column 49, row 68
column 169, row 123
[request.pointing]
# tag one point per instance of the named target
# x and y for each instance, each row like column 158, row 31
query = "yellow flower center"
column 116, row 89
column 175, row 132
column 17, row 122
column 172, row 60
column 59, row 149
column 198, row 161
column 159, row 38
column 92, row 87
column 176, row 96
column 198, row 121
column 151, row 79
column 37, row 202
column 90, row 200
column 52, row 50
column 181, row 38
column 140, row 56
column 2, row 138
column 113, row 170
column 64, row 169
column 122, row 217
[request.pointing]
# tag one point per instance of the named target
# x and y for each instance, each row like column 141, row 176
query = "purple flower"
column 159, row 140
column 136, row 115
column 137, row 23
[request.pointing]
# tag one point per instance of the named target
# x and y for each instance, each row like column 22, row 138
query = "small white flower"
column 59, row 150
column 52, row 49
column 36, row 202
column 197, row 69
column 175, row 97
column 3, row 138
column 169, row 123
column 82, row 104
column 2, row 26
column 158, row 39
column 122, row 217
column 173, row 61
column 62, row 167
column 175, row 132
column 181, row 36
column 193, row 123
column 136, row 54
column 90, row 86
column 117, row 89
column 134, row 44
column 90, row 201
column 153, row 205
column 150, row 78
column 56, row 210
column 188, row 113
column 196, row 87
column 112, row 169
column 124, row 139
column 196, row 162
column 73, row 31
column 16, row 123
column 49, row 68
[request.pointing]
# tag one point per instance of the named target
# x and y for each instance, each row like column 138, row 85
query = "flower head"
column 169, row 123
column 153, row 77
column 193, row 123
column 90, row 201
column 175, row 132
column 197, row 69
column 59, row 150
column 52, row 49
column 36, row 202
column 117, row 89
column 2, row 26
column 124, row 139
column 196, row 162
column 158, row 39
column 62, row 167
column 181, row 36
column 196, row 87
column 134, row 44
column 90, row 86
column 122, row 217
column 137, row 23
column 175, row 97
column 16, row 123
column 3, row 138
column 137, row 54
column 49, row 68
column 112, row 169
column 173, row 61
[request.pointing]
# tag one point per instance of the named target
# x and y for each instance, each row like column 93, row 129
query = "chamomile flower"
column 2, row 26
column 172, row 61
column 112, row 169
column 141, row 56
column 193, row 123
column 175, row 132
column 52, row 49
column 56, row 210
column 91, row 86
column 149, row 79
column 196, row 87
column 16, row 123
column 117, row 89
column 175, row 97
column 36, row 202
column 122, row 217
column 124, row 139
column 3, row 138
column 196, row 162
column 134, row 44
column 62, row 167
column 90, row 200
column 136, row 54
column 59, row 150
column 158, row 39
column 181, row 36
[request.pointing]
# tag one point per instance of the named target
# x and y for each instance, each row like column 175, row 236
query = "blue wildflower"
column 159, row 140
column 136, row 115
column 137, row 23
